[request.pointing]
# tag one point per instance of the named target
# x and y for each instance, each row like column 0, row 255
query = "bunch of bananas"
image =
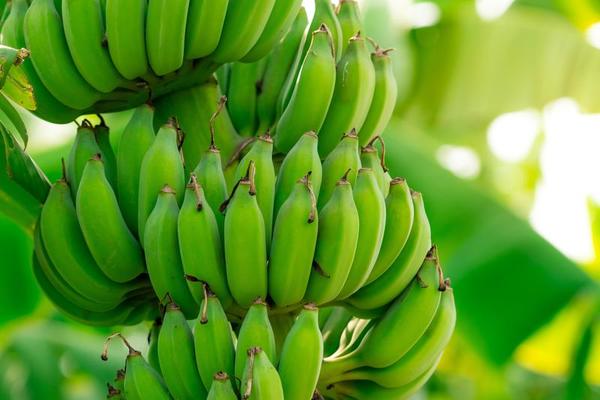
column 105, row 55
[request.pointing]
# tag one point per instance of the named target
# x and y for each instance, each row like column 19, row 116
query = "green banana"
column 400, row 213
column 370, row 204
column 136, row 139
column 261, row 154
column 83, row 22
column 345, row 157
column 334, row 326
column 301, row 357
column 204, row 27
column 293, row 246
column 279, row 63
column 177, row 357
column 369, row 158
column 221, row 388
column 222, row 76
column 244, row 23
column 165, row 42
column 348, row 15
column 245, row 245
column 102, row 135
column 162, row 253
column 336, row 244
column 84, row 148
column 152, row 355
column 114, row 248
column 395, row 279
column 303, row 158
column 43, row 31
column 311, row 95
column 256, row 331
column 200, row 245
column 241, row 96
column 280, row 21
column 126, row 36
column 215, row 350
column 261, row 380
column 325, row 15
column 161, row 166
column 354, row 89
column 384, row 97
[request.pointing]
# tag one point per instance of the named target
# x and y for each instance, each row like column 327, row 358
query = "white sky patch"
column 510, row 136
column 593, row 35
column 424, row 14
column 492, row 9
column 461, row 161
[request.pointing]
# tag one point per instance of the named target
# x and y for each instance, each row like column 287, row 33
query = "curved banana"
column 213, row 340
column 348, row 14
column 83, row 22
column 136, row 139
column 301, row 160
column 311, row 95
column 102, row 135
column 43, row 31
column 354, row 89
column 334, row 326
column 204, row 27
column 114, row 248
column 293, row 246
column 371, row 215
column 336, row 245
column 395, row 279
column 345, row 157
column 162, row 253
column 177, row 357
column 83, row 149
column 384, row 97
column 369, row 158
column 280, row 21
column 200, row 245
column 325, row 15
column 245, row 244
column 301, row 356
column 152, row 355
column 126, row 35
column 161, row 166
column 255, row 331
column 165, row 42
column 221, row 388
column 241, row 96
column 400, row 214
column 261, row 380
column 244, row 23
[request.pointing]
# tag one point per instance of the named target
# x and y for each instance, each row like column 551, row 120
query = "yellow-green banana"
column 301, row 356
column 102, row 134
column 165, row 34
column 241, row 96
column 84, row 148
column 353, row 94
column 204, row 27
column 221, row 388
column 311, row 94
column 126, row 35
column 114, row 248
column 348, row 14
column 336, row 245
column 44, row 31
column 370, row 204
column 261, row 380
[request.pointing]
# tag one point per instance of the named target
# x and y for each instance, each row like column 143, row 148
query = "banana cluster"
column 107, row 55
column 320, row 77
column 254, row 359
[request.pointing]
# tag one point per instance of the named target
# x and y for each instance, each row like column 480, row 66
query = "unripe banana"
column 261, row 154
column 221, row 388
column 44, row 31
column 84, row 148
column 136, row 139
column 369, row 158
column 348, row 15
column 345, row 157
column 312, row 93
column 261, row 380
column 244, row 23
column 83, row 22
column 241, row 96
column 177, row 358
column 102, row 134
column 325, row 14
column 162, row 253
column 126, row 35
column 280, row 21
column 152, row 355
column 161, row 166
column 204, row 27
column 353, row 94
column 279, row 64
column 334, row 326
column 200, row 245
column 400, row 213
column 302, row 159
column 384, row 97
column 114, row 248
column 370, row 204
column 213, row 341
column 165, row 41
column 293, row 247
column 336, row 245
column 256, row 331
column 301, row 357
column 245, row 245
